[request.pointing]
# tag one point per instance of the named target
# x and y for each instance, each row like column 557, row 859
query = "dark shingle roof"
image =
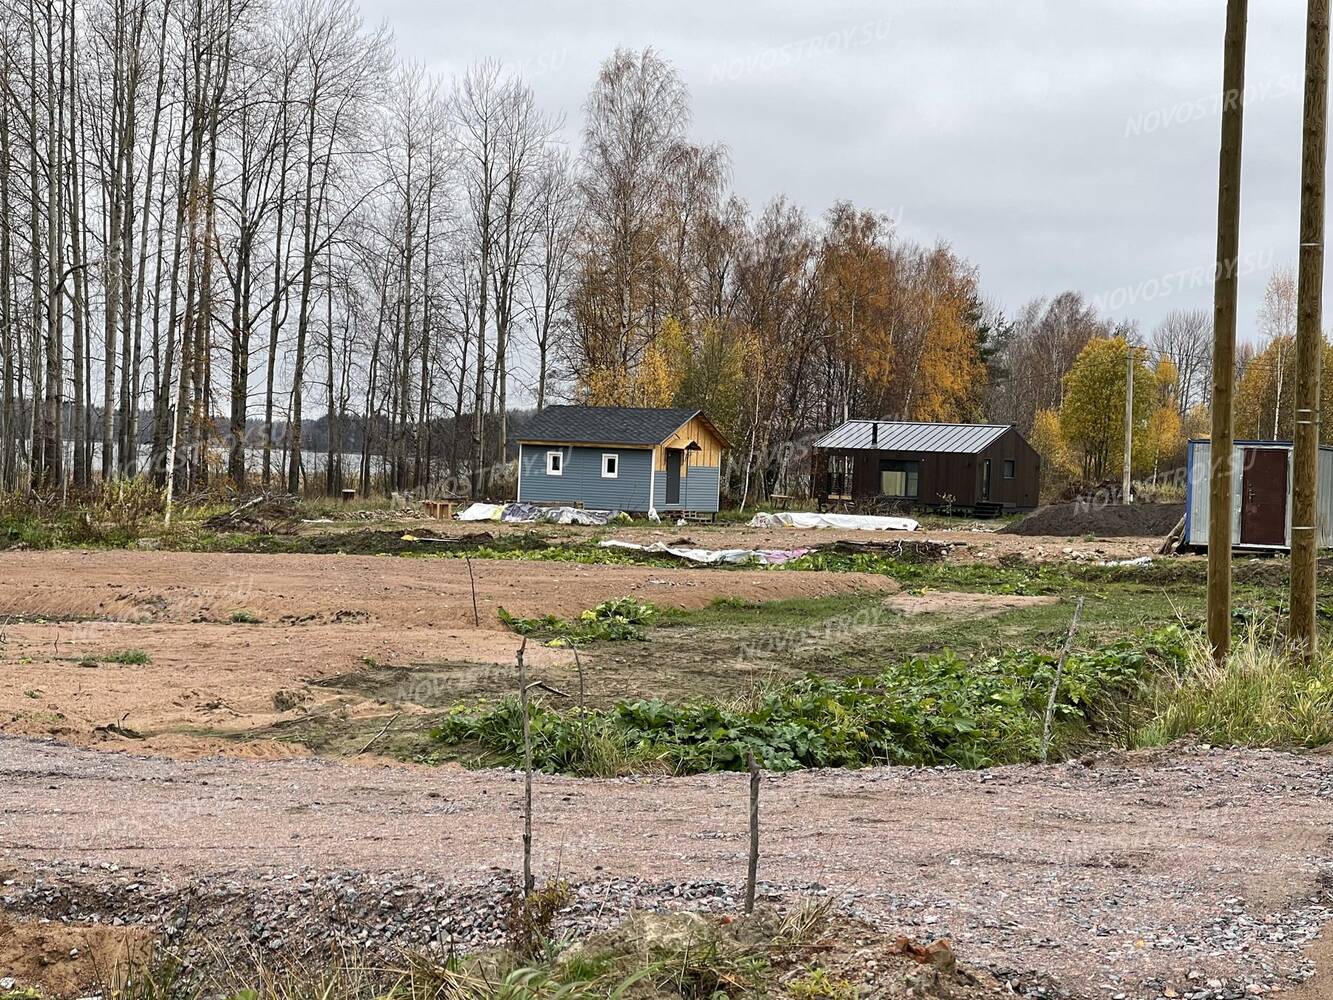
column 901, row 435
column 604, row 425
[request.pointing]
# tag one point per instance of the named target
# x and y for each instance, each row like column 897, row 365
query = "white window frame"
column 614, row 456
column 557, row 467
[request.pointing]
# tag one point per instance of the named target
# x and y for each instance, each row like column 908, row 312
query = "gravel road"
column 1193, row 873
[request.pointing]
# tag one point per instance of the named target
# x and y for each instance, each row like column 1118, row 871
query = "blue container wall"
column 582, row 480
column 699, row 489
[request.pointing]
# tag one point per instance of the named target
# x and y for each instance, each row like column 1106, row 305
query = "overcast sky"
column 1055, row 143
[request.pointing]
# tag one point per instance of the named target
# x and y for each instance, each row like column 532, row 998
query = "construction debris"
column 268, row 513
column 712, row 557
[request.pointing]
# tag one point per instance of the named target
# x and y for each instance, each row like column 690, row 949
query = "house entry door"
column 673, row 462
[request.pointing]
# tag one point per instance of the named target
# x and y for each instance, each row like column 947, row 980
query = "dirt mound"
column 66, row 960
column 1074, row 520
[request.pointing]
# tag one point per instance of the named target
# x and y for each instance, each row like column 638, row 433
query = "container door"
column 1263, row 501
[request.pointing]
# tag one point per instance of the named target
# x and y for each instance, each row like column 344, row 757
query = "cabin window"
column 555, row 463
column 610, row 465
column 898, row 479
column 1008, row 468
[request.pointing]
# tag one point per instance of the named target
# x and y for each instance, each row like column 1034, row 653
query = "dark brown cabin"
column 881, row 465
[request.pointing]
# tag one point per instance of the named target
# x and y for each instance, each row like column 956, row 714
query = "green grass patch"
column 245, row 618
column 128, row 657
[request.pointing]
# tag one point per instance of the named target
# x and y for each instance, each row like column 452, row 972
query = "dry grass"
column 1262, row 696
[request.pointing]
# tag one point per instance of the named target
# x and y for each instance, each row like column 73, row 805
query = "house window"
column 555, row 463
column 898, row 479
column 610, row 465
column 840, row 475
column 1008, row 468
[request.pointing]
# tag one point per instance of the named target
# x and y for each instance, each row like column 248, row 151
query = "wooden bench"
column 441, row 510
column 781, row 501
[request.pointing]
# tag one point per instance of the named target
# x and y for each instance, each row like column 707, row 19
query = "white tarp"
column 526, row 513
column 481, row 512
column 862, row 522
column 711, row 557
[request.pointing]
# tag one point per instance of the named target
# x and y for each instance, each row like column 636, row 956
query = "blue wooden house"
column 621, row 458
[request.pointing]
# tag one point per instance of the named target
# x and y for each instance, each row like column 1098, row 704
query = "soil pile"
column 1074, row 520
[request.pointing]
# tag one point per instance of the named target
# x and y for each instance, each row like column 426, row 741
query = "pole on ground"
column 752, row 871
column 1224, row 330
column 1055, row 683
column 1125, row 474
column 1309, row 293
column 528, row 883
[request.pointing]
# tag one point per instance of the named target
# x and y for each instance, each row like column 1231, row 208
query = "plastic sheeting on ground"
column 712, row 557
column 481, row 512
column 862, row 522
column 526, row 513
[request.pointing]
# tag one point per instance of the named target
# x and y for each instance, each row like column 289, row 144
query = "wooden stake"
column 528, row 883
column 472, row 580
column 1309, row 337
column 1055, row 684
column 752, row 872
column 1224, row 329
column 578, row 665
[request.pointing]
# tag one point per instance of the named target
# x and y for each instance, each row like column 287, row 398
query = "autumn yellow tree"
column 1264, row 408
column 1092, row 416
column 1057, row 457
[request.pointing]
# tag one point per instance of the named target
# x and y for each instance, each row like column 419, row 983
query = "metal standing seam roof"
column 898, row 435
column 626, row 425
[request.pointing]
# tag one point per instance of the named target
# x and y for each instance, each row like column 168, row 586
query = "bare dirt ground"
column 1180, row 873
column 66, row 615
column 65, row 960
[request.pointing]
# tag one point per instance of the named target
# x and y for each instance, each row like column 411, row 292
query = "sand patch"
column 962, row 605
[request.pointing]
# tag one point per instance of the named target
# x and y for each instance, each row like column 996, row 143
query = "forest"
column 245, row 245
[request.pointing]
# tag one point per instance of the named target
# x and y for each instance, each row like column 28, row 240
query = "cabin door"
column 673, row 463
column 1263, row 498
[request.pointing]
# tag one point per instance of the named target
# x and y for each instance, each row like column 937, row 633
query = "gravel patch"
column 1188, row 873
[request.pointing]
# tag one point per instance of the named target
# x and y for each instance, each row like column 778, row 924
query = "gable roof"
column 902, row 435
column 629, row 425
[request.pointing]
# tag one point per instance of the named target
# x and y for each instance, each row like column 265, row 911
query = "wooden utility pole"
column 1224, row 329
column 1125, row 475
column 1309, row 294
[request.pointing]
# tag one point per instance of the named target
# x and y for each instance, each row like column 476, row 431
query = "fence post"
column 752, row 872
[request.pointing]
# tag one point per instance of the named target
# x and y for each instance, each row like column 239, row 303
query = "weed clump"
column 621, row 620
column 128, row 657
column 1262, row 696
column 927, row 711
